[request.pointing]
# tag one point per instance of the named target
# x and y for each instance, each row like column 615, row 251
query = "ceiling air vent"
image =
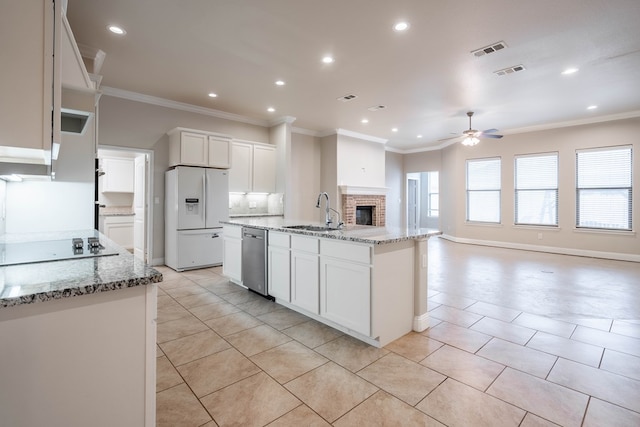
column 347, row 97
column 510, row 70
column 489, row 49
column 376, row 107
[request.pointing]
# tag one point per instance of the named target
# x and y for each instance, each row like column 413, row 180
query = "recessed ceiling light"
column 271, row 109
column 569, row 71
column 328, row 59
column 592, row 107
column 394, row 129
column 279, row 82
column 365, row 121
column 419, row 136
column 213, row 95
column 401, row 26
column 116, row 30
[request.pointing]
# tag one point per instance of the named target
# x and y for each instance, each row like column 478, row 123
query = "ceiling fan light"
column 470, row 141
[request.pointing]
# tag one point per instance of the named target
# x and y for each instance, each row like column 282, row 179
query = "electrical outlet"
column 539, row 236
column 252, row 205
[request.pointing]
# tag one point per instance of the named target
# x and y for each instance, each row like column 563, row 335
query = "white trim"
column 421, row 323
column 180, row 129
column 363, row 191
column 282, row 120
column 345, row 132
column 547, row 249
column 154, row 100
column 304, row 131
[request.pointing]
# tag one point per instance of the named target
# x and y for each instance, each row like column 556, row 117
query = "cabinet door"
column 219, row 153
column 194, row 149
column 279, row 273
column 345, row 294
column 120, row 230
column 305, row 281
column 241, row 169
column 264, row 169
column 118, row 175
column 232, row 259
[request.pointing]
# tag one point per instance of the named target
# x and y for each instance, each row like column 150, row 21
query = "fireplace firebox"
column 364, row 215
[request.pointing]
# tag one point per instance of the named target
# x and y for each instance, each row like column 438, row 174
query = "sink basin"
column 311, row 228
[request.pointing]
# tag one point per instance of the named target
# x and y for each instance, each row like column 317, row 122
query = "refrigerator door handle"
column 203, row 211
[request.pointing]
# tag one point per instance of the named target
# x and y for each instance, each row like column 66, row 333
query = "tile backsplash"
column 256, row 204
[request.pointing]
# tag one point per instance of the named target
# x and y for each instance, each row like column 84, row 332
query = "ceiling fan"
column 472, row 136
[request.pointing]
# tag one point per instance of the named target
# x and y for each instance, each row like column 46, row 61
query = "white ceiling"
column 426, row 77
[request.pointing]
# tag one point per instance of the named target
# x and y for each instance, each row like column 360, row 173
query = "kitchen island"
column 78, row 336
column 369, row 282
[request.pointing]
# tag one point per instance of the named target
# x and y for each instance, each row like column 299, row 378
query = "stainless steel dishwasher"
column 254, row 259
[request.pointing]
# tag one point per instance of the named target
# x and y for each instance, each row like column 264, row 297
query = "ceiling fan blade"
column 490, row 131
column 490, row 136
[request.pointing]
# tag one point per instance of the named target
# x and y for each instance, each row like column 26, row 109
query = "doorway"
column 423, row 200
column 123, row 198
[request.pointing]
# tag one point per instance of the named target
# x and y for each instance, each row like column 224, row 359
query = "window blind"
column 603, row 188
column 536, row 189
column 483, row 190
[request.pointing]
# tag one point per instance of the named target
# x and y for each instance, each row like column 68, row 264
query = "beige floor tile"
column 404, row 379
column 219, row 285
column 457, row 336
column 432, row 305
column 159, row 352
column 351, row 353
column 171, row 311
column 178, row 328
column 259, row 306
column 567, row 348
column 621, row 364
column 600, row 324
column 331, row 390
column 254, row 401
column 174, row 281
column 192, row 347
column 494, row 311
column 211, row 311
column 629, row 329
column 312, row 333
column 233, row 323
column 609, row 340
column 240, row 296
column 518, row 357
column 288, row 361
column 531, row 420
column 300, row 416
column 452, row 300
column 210, row 424
column 506, row 331
column 601, row 413
column 191, row 301
column 465, row 367
column 545, row 324
column 283, row 318
column 604, row 385
column 455, row 404
column 382, row 409
column 414, row 346
column 256, row 340
column 166, row 374
column 184, row 291
column 216, row 371
column 455, row 316
column 547, row 400
column 177, row 406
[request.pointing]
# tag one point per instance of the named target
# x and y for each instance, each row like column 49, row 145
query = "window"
column 433, row 195
column 603, row 188
column 483, row 190
column 536, row 201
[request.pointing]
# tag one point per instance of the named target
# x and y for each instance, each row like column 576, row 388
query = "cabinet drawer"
column 346, row 251
column 234, row 232
column 305, row 244
column 278, row 239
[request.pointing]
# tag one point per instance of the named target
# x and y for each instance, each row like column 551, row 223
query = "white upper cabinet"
column 118, row 175
column 198, row 148
column 253, row 169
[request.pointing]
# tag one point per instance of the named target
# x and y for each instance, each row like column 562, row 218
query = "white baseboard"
column 547, row 249
column 421, row 323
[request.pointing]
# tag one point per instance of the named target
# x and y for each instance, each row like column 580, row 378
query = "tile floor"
column 490, row 358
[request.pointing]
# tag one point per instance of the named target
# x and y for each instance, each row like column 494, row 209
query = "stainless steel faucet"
column 328, row 220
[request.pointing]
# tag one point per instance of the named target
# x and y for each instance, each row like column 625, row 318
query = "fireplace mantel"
column 363, row 191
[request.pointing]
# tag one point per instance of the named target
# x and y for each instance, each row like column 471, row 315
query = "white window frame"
column 473, row 191
column 518, row 190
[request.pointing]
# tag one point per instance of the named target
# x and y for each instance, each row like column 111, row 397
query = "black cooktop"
column 15, row 253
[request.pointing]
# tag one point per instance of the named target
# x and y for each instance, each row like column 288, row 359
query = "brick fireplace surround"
column 351, row 201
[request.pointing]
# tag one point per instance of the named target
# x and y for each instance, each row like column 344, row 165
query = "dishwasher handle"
column 248, row 234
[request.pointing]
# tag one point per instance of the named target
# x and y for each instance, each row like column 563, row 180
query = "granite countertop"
column 353, row 233
column 258, row 215
column 43, row 281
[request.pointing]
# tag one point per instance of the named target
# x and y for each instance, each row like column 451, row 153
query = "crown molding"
column 282, row 120
column 162, row 102
column 304, row 131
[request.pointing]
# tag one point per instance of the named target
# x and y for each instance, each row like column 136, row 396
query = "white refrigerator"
column 196, row 200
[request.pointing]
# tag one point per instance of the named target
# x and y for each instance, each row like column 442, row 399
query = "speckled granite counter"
column 352, row 233
column 43, row 281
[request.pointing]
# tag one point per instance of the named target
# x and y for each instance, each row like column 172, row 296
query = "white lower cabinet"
column 305, row 292
column 119, row 229
column 232, row 254
column 279, row 266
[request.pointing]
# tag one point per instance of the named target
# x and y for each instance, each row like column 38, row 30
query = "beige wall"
column 305, row 177
column 360, row 162
column 395, row 183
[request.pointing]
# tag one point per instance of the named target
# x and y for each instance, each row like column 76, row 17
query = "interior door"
column 139, row 207
column 413, row 200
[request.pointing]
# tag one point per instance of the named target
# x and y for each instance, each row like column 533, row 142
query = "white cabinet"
column 253, row 169
column 30, row 83
column 120, row 230
column 198, row 148
column 305, row 291
column 279, row 266
column 232, row 253
column 118, row 175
